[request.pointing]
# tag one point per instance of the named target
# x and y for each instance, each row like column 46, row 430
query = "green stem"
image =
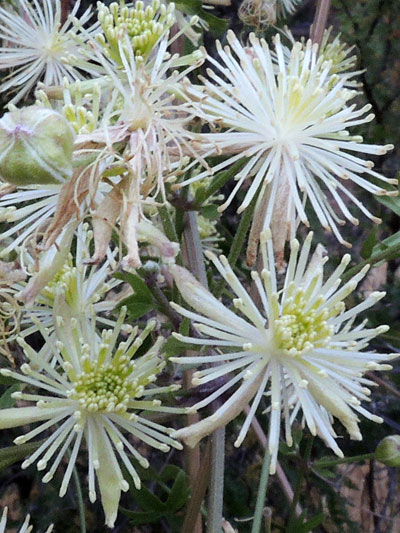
column 323, row 463
column 238, row 241
column 81, row 505
column 300, row 479
column 381, row 256
column 261, row 495
column 220, row 179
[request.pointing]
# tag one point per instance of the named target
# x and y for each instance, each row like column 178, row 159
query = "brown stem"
column 320, row 20
column 65, row 7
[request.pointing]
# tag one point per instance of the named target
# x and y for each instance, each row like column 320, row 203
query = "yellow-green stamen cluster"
column 299, row 330
column 64, row 279
column 142, row 25
column 107, row 388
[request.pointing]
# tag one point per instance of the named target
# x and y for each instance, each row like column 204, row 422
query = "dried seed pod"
column 36, row 146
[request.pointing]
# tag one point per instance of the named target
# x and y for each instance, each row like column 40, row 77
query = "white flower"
column 39, row 47
column 144, row 116
column 303, row 350
column 293, row 126
column 25, row 528
column 92, row 392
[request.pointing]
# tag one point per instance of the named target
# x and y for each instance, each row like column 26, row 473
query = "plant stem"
column 261, row 495
column 194, row 258
column 216, row 485
column 381, row 256
column 322, row 463
column 238, row 241
column 320, row 20
column 197, row 494
column 81, row 505
column 283, row 480
column 300, row 479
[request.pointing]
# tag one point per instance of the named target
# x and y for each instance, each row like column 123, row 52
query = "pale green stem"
column 300, row 479
column 216, row 486
column 324, row 463
column 261, row 495
column 81, row 505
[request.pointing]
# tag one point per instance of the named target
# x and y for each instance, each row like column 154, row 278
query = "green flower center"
column 143, row 26
column 105, row 389
column 301, row 329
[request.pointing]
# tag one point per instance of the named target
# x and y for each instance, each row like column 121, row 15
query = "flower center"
column 142, row 25
column 105, row 389
column 301, row 328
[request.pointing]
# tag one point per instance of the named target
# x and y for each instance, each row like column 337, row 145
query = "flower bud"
column 388, row 451
column 36, row 146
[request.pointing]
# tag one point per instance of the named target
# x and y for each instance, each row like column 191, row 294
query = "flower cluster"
column 93, row 180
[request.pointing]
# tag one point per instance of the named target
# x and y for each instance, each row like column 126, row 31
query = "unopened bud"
column 388, row 451
column 35, row 146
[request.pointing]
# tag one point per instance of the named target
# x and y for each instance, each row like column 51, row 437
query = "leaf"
column 210, row 212
column 369, row 243
column 5, row 399
column 311, row 524
column 138, row 518
column 179, row 493
column 142, row 292
column 12, row 454
column 148, row 501
column 139, row 303
column 392, row 202
column 195, row 7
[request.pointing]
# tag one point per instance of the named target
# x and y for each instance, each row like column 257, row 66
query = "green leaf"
column 369, row 243
column 148, row 501
column 139, row 303
column 210, row 212
column 136, row 309
column 195, row 7
column 138, row 518
column 142, row 292
column 12, row 454
column 5, row 400
column 311, row 524
column 392, row 202
column 179, row 493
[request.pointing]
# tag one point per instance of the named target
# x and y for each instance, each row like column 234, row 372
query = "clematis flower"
column 146, row 117
column 302, row 350
column 39, row 47
column 293, row 128
column 92, row 392
column 25, row 528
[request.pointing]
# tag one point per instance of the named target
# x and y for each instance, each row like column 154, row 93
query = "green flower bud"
column 36, row 145
column 388, row 451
